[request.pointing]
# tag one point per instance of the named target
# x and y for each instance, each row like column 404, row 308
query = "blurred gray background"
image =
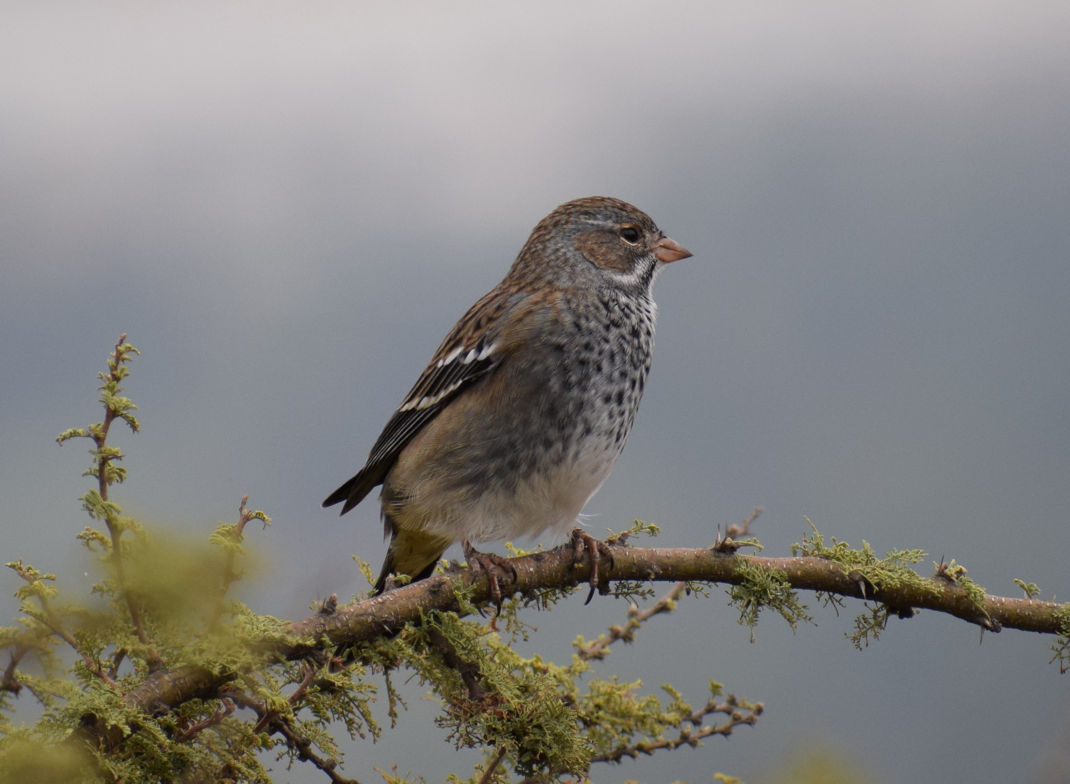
column 286, row 205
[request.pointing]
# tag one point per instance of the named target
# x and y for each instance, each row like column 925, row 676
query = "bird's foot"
column 597, row 549
column 499, row 570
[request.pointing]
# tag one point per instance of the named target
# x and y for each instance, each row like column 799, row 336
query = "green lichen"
column 892, row 571
column 762, row 589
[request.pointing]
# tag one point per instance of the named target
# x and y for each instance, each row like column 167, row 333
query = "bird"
column 527, row 403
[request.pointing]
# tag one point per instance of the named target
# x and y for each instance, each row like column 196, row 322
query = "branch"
column 384, row 615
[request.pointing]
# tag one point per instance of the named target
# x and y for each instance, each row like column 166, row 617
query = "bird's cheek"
column 602, row 251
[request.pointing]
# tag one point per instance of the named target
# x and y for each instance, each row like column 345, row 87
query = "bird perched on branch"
column 526, row 405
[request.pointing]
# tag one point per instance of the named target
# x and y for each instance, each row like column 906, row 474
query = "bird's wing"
column 470, row 352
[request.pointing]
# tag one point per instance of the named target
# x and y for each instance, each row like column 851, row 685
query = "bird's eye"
column 630, row 235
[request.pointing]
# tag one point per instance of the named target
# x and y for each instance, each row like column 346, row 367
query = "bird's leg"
column 596, row 548
column 498, row 570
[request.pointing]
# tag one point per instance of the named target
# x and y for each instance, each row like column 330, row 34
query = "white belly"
column 546, row 502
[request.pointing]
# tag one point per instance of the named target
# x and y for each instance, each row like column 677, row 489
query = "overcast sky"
column 287, row 205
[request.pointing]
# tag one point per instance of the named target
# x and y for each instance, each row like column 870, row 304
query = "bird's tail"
column 414, row 553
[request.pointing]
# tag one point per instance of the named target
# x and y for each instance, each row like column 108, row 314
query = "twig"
column 192, row 731
column 104, row 460
column 599, row 649
column 488, row 774
column 691, row 731
column 730, row 542
column 470, row 674
column 64, row 635
column 304, row 750
column 270, row 721
column 10, row 682
column 229, row 575
column 116, row 662
column 54, row 624
column 302, row 689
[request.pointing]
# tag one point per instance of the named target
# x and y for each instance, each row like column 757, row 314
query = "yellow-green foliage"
column 550, row 719
column 522, row 709
column 1031, row 590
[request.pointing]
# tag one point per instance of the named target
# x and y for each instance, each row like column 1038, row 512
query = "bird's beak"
column 666, row 250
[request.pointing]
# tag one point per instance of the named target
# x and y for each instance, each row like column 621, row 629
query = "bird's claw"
column 498, row 569
column 596, row 548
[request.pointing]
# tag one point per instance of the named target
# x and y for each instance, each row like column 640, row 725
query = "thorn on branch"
column 956, row 575
column 941, row 571
column 867, row 589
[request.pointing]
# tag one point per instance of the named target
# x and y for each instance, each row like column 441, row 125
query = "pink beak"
column 666, row 250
